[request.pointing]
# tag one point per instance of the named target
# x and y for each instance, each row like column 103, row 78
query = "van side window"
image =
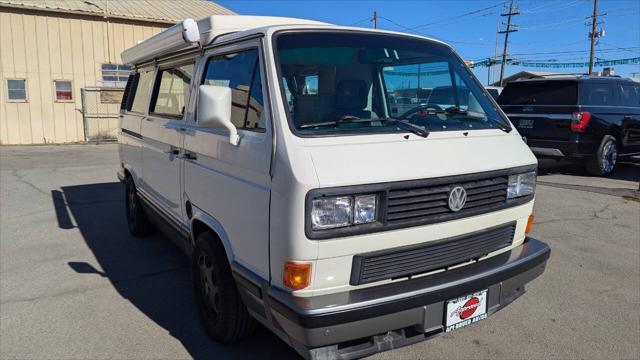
column 172, row 91
column 241, row 73
column 142, row 92
column 598, row 94
column 629, row 96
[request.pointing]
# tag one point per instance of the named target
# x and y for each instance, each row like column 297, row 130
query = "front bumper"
column 365, row 321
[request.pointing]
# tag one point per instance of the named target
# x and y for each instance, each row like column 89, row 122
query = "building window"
column 115, row 75
column 17, row 89
column 64, row 90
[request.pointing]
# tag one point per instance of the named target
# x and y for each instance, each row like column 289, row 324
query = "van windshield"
column 345, row 82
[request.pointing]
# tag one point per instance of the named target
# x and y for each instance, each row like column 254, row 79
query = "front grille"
column 412, row 260
column 430, row 203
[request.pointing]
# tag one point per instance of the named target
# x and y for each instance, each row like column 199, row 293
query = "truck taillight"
column 579, row 121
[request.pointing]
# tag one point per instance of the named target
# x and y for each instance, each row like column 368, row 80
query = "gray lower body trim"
column 365, row 321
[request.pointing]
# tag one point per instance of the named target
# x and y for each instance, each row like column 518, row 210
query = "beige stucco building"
column 51, row 49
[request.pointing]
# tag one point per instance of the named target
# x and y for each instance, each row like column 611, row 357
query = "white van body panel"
column 442, row 154
column 130, row 145
column 161, row 167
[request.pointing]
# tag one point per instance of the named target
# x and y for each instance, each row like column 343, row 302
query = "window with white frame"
column 115, row 75
column 17, row 89
column 64, row 90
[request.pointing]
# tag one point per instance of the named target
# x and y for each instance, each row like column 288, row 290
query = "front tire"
column 223, row 315
column 137, row 221
column 606, row 157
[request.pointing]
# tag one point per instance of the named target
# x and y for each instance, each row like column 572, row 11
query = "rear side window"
column 142, row 92
column 241, row 73
column 172, row 91
column 629, row 95
column 598, row 93
column 129, row 89
column 540, row 93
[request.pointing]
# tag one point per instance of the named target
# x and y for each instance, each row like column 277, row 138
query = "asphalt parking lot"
column 75, row 285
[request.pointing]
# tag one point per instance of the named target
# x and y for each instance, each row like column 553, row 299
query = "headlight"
column 341, row 211
column 365, row 209
column 327, row 213
column 521, row 185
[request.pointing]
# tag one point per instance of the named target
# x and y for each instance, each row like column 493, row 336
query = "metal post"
column 506, row 38
column 83, row 98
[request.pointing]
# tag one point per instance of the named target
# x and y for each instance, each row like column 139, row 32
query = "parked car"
column 494, row 91
column 264, row 147
column 594, row 120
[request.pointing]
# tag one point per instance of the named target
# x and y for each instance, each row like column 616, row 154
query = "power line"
column 622, row 48
column 439, row 22
column 360, row 21
column 428, row 35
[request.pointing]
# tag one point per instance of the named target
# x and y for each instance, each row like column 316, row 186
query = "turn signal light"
column 527, row 230
column 579, row 121
column 296, row 276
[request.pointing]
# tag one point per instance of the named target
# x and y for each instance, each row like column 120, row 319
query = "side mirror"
column 214, row 110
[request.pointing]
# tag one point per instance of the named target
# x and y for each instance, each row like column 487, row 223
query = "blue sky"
column 548, row 29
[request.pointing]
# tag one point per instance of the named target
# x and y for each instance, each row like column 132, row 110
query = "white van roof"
column 190, row 34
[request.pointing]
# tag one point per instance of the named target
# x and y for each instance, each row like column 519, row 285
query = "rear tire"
column 606, row 157
column 223, row 315
column 137, row 220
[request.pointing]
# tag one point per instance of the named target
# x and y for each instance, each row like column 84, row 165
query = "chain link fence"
column 100, row 111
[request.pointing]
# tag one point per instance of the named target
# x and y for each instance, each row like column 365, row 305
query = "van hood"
column 389, row 158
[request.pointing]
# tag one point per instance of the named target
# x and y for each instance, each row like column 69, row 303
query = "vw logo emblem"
column 457, row 198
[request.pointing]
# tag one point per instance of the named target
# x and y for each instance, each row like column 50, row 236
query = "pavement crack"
column 22, row 180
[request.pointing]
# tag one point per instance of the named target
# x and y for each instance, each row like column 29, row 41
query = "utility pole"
column 375, row 19
column 512, row 12
column 593, row 34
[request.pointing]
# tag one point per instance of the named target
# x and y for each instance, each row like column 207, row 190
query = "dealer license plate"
column 525, row 123
column 466, row 310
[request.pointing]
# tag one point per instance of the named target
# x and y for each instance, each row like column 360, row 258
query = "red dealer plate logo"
column 469, row 308
column 465, row 310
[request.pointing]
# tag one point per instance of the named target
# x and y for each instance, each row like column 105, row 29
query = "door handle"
column 173, row 151
column 189, row 156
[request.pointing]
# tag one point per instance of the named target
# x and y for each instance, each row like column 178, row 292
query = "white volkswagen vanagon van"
column 275, row 153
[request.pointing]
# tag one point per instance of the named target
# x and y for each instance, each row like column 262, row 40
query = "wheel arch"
column 203, row 222
column 130, row 172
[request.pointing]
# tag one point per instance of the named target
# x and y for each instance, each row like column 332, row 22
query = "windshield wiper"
column 406, row 126
column 344, row 119
column 457, row 111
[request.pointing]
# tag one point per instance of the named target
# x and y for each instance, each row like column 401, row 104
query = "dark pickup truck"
column 594, row 120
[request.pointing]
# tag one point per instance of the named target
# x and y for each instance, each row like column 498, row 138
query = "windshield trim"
column 360, row 132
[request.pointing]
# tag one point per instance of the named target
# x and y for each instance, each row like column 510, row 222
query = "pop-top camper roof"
column 190, row 34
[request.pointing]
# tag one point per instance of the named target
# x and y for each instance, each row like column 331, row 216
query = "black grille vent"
column 430, row 203
column 413, row 260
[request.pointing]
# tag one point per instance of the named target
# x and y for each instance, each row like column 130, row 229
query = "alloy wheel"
column 208, row 286
column 609, row 157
